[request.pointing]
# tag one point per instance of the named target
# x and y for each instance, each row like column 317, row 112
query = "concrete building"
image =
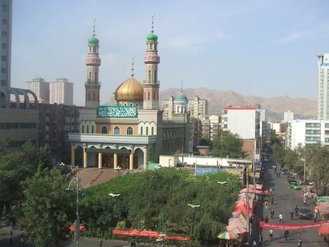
column 198, row 107
column 19, row 116
column 323, row 86
column 61, row 92
column 55, row 122
column 288, row 116
column 41, row 89
column 245, row 122
column 307, row 132
column 5, row 28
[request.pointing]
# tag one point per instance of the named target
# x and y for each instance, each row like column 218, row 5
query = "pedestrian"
column 22, row 240
column 291, row 215
column 296, row 210
column 266, row 205
column 272, row 213
column 270, row 232
column 299, row 244
column 286, row 232
column 266, row 219
column 280, row 218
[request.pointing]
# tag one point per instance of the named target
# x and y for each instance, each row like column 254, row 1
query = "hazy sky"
column 254, row 47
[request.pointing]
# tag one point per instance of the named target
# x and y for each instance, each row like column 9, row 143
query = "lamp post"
column 193, row 206
column 77, row 219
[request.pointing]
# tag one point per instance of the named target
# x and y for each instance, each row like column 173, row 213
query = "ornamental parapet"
column 108, row 139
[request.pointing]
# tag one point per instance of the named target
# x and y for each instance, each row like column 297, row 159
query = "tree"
column 227, row 144
column 48, row 209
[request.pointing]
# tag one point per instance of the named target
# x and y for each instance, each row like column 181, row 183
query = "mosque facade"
column 131, row 131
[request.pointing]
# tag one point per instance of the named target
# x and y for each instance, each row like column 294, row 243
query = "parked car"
column 294, row 186
column 305, row 213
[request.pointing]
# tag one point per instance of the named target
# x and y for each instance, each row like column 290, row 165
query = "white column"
column 115, row 156
column 145, row 158
column 100, row 160
column 131, row 161
column 85, row 158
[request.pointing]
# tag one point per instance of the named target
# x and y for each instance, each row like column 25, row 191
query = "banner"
column 273, row 226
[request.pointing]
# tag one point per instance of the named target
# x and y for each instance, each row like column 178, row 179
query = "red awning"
column 148, row 234
column 324, row 229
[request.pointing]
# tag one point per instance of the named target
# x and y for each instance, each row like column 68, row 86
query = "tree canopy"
column 227, row 144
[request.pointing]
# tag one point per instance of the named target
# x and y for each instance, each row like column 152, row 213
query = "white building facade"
column 323, row 86
column 307, row 132
column 41, row 89
column 61, row 92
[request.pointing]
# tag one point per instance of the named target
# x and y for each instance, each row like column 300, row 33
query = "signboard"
column 117, row 112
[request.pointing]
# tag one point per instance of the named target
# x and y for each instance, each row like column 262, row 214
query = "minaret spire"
column 132, row 67
column 94, row 28
column 151, row 84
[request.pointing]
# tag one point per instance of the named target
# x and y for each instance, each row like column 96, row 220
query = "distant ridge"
column 275, row 107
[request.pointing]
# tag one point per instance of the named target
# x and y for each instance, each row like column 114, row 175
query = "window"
column 148, row 95
column 4, row 7
column 3, row 58
column 104, row 130
column 3, row 82
column 116, row 130
column 3, row 45
column 147, row 131
column 152, row 131
column 3, row 70
column 4, row 21
column 4, row 34
column 149, row 80
column 92, row 129
column 129, row 131
column 83, row 129
column 87, row 129
column 141, row 130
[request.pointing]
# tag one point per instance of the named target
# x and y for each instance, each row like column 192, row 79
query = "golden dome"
column 129, row 90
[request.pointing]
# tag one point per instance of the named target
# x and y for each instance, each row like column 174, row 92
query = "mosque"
column 132, row 131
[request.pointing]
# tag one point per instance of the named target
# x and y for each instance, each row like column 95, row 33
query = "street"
column 286, row 200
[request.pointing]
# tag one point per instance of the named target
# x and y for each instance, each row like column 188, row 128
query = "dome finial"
column 152, row 29
column 94, row 27
column 132, row 67
column 181, row 87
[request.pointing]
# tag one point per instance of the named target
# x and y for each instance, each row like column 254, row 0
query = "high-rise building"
column 61, row 92
column 323, row 86
column 41, row 89
column 5, row 26
column 198, row 107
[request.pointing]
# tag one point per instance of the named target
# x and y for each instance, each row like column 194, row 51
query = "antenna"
column 94, row 27
column 132, row 67
column 152, row 29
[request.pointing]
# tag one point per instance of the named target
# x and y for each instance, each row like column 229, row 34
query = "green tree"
column 227, row 144
column 48, row 209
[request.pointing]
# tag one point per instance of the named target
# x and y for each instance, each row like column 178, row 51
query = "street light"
column 77, row 220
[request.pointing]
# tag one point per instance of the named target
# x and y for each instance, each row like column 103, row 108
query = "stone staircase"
column 93, row 176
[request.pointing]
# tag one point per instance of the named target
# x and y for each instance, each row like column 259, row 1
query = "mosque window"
column 141, row 130
column 129, row 131
column 149, row 76
column 155, row 76
column 116, row 130
column 104, row 130
column 83, row 129
column 96, row 76
column 92, row 129
column 147, row 131
column 152, row 131
column 87, row 129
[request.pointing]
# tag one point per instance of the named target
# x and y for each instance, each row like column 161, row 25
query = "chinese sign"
column 117, row 112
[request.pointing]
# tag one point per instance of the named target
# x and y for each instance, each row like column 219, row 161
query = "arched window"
column 87, row 128
column 141, row 130
column 152, row 131
column 116, row 130
column 149, row 75
column 147, row 131
column 83, row 129
column 104, row 130
column 129, row 131
column 92, row 129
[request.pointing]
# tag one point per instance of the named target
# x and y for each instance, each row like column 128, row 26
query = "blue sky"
column 254, row 47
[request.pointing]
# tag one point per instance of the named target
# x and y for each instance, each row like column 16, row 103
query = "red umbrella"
column 82, row 228
column 324, row 229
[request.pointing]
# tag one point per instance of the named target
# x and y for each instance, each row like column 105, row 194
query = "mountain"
column 275, row 107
